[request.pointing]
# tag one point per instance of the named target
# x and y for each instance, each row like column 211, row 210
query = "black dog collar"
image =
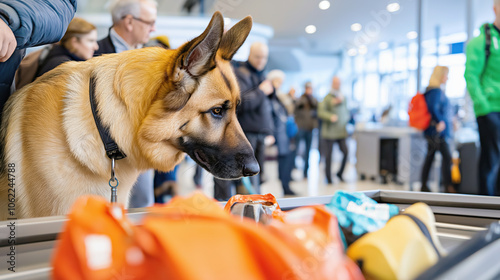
column 112, row 149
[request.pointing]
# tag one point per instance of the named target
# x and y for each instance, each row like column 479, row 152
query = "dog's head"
column 195, row 110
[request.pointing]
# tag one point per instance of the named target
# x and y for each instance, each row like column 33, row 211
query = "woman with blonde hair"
column 78, row 44
column 438, row 134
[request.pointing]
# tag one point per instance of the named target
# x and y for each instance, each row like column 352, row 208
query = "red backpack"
column 420, row 118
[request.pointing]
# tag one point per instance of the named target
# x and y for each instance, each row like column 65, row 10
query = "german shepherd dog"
column 157, row 105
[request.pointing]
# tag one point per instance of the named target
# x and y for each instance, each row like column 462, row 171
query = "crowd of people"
column 267, row 114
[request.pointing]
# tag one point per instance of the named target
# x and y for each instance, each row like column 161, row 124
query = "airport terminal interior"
column 362, row 136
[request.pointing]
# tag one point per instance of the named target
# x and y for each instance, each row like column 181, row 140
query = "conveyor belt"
column 458, row 218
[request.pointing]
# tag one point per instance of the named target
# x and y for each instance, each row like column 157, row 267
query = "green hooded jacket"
column 333, row 130
column 484, row 88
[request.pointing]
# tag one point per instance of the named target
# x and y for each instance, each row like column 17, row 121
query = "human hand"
column 269, row 140
column 267, row 87
column 334, row 118
column 440, row 126
column 8, row 42
column 336, row 101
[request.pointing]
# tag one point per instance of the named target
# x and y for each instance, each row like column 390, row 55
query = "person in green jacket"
column 483, row 83
column 334, row 115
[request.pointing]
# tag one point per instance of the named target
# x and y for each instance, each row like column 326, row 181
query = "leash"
column 112, row 150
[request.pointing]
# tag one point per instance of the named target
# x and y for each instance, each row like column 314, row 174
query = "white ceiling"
column 289, row 19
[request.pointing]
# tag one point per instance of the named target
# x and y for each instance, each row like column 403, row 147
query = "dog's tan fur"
column 157, row 104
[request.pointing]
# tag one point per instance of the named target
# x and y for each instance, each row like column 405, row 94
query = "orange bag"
column 268, row 201
column 194, row 238
column 98, row 243
column 420, row 118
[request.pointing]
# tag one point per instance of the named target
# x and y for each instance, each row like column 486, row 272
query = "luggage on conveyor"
column 477, row 258
column 358, row 214
column 404, row 248
column 194, row 238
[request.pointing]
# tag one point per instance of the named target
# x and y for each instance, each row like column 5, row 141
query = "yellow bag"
column 456, row 177
column 403, row 249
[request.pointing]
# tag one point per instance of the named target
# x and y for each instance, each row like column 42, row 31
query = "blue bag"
column 291, row 127
column 358, row 214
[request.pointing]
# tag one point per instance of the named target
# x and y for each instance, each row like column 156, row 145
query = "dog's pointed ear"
column 234, row 38
column 198, row 57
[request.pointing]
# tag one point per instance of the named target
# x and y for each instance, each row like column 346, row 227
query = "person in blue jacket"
column 28, row 23
column 438, row 134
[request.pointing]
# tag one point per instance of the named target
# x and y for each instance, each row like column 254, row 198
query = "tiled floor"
column 315, row 185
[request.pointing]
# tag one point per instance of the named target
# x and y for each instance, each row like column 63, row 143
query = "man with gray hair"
column 483, row 84
column 133, row 21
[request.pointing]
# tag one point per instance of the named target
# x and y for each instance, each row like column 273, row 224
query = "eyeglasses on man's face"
column 148, row 23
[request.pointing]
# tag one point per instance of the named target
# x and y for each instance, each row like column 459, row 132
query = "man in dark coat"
column 28, row 23
column 254, row 112
column 133, row 21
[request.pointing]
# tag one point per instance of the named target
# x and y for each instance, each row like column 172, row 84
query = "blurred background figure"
column 439, row 132
column 306, row 119
column 283, row 142
column 288, row 100
column 483, row 84
column 78, row 44
column 334, row 115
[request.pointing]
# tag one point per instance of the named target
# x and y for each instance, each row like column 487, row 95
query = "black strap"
column 423, row 228
column 487, row 48
column 112, row 149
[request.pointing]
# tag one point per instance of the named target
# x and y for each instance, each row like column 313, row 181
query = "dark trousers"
column 258, row 146
column 489, row 162
column 307, row 137
column 327, row 147
column 197, row 175
column 285, row 165
column 224, row 189
column 435, row 144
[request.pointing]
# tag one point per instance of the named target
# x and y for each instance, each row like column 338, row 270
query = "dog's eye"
column 217, row 112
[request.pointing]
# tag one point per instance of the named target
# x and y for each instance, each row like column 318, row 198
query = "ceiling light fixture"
column 310, row 29
column 324, row 5
column 393, row 7
column 356, row 27
column 412, row 35
column 352, row 52
column 383, row 45
column 362, row 50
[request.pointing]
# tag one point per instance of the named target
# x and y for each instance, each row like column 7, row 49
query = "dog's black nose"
column 251, row 168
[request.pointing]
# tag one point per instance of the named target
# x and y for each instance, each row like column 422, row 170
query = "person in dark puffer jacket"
column 28, row 23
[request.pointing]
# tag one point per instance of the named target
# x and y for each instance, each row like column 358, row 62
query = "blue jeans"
column 285, row 165
column 489, row 163
column 307, row 137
